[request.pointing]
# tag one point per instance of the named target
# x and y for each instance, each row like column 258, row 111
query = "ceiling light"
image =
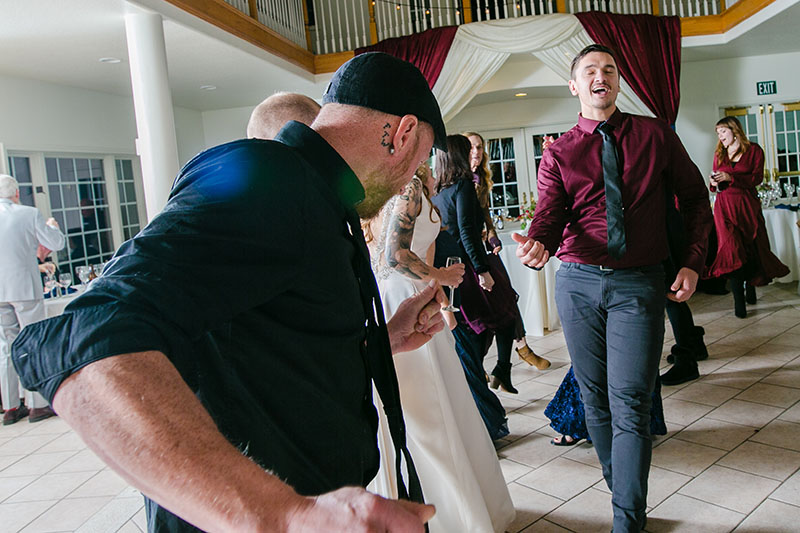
column 109, row 60
column 208, row 87
column 520, row 95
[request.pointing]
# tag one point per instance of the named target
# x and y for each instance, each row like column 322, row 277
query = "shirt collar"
column 325, row 160
column 589, row 126
column 6, row 201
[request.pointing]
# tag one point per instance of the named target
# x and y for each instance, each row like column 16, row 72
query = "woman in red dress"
column 743, row 252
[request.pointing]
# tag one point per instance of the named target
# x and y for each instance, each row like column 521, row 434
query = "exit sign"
column 766, row 87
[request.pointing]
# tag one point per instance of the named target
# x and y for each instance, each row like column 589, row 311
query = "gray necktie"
column 613, row 183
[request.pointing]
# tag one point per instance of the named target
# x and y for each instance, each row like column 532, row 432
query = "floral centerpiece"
column 526, row 214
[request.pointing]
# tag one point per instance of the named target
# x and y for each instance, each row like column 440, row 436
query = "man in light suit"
column 22, row 229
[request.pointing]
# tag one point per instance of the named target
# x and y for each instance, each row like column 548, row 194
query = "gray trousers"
column 614, row 327
column 13, row 317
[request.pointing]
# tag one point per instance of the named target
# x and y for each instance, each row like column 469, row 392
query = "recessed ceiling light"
column 208, row 87
column 520, row 95
column 109, row 60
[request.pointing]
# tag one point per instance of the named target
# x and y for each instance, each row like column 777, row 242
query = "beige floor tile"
column 15, row 430
column 763, row 460
column 562, row 478
column 786, row 339
column 583, row 453
column 754, row 364
column 784, row 377
column 51, row 425
column 36, row 464
column 712, row 365
column 533, row 390
column 129, row 527
column 588, row 512
column 716, row 433
column 770, row 395
column 520, row 425
column 702, row 393
column 15, row 516
column 509, row 403
column 66, row 515
column 725, row 351
column 80, row 462
column 685, row 457
column 779, row 352
column 662, row 484
column 771, row 516
column 743, row 492
column 113, row 516
column 792, row 414
column 140, row 519
column 535, row 409
column 543, row 526
column 530, row 505
column 534, row 450
column 50, row 487
column 682, row 514
column 684, row 413
column 68, row 442
column 10, row 485
column 789, row 491
column 104, row 483
column 513, row 470
column 555, row 375
column 25, row 444
column 747, row 337
column 730, row 378
column 781, row 434
column 8, row 460
column 745, row 413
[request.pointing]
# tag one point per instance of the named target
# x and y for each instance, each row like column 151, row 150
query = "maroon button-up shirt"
column 571, row 210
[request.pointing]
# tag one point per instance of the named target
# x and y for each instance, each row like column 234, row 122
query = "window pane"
column 70, row 193
column 494, row 149
column 133, row 215
column 97, row 170
column 55, row 197
column 51, row 169
column 82, row 169
column 508, row 148
column 792, row 142
column 512, row 197
column 779, row 122
column 66, row 170
column 127, row 169
column 510, row 171
column 497, row 173
column 102, row 219
column 106, row 242
column 751, row 124
column 130, row 192
column 790, row 121
column 74, row 221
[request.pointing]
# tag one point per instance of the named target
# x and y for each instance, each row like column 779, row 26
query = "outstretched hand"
column 417, row 319
column 684, row 285
column 352, row 509
column 531, row 253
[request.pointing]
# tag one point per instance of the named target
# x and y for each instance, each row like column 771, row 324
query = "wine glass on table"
column 50, row 283
column 83, row 274
column 452, row 260
column 65, row 280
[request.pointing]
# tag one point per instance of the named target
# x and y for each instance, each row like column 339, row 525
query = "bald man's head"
column 273, row 113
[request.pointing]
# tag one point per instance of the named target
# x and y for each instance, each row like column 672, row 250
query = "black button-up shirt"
column 245, row 282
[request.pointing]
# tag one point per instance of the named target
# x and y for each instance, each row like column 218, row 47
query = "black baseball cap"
column 388, row 84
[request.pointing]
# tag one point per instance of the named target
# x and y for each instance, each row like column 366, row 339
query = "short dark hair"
column 586, row 51
column 453, row 165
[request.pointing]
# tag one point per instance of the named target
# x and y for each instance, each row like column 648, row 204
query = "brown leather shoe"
column 526, row 354
column 12, row 416
column 40, row 413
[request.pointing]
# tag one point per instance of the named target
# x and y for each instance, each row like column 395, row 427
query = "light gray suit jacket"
column 22, row 229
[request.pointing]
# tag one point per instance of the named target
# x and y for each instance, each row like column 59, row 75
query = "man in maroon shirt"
column 610, row 289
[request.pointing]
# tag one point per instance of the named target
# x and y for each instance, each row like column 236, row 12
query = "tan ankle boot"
column 526, row 354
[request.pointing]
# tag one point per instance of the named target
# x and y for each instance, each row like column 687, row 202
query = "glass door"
column 534, row 138
column 776, row 128
column 509, row 165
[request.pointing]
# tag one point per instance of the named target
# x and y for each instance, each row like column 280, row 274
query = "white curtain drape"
column 481, row 48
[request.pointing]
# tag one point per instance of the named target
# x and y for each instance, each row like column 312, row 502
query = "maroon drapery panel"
column 427, row 50
column 648, row 51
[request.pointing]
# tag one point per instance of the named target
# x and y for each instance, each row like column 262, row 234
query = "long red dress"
column 741, row 230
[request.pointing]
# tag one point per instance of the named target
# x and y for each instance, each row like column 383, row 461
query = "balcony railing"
column 326, row 31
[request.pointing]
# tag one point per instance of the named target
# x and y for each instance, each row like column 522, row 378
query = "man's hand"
column 52, row 222
column 417, row 319
column 486, row 281
column 530, row 252
column 684, row 285
column 47, row 268
column 451, row 276
column 352, row 509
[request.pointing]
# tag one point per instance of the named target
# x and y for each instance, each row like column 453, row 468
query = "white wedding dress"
column 454, row 456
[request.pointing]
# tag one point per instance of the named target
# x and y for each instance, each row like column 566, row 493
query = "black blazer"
column 462, row 217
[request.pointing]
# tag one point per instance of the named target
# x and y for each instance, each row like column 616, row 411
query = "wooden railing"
column 320, row 35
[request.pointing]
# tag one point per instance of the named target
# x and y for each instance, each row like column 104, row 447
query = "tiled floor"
column 731, row 459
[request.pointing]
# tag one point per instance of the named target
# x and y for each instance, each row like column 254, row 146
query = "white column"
column 152, row 102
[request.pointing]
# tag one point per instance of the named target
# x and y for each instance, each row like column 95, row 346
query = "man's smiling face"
column 595, row 82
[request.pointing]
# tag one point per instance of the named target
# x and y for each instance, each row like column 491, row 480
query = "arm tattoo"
column 400, row 232
column 385, row 136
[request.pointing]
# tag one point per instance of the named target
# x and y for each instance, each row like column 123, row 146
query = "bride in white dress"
column 454, row 456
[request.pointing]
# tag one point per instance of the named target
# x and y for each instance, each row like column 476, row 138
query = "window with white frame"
column 129, row 209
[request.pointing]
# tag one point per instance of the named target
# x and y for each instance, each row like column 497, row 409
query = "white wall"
column 225, row 125
column 708, row 86
column 518, row 113
column 189, row 133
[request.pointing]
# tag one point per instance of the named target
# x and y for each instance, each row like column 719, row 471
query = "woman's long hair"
column 733, row 124
column 485, row 183
column 453, row 165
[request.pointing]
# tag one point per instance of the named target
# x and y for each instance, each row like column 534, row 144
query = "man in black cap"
column 221, row 364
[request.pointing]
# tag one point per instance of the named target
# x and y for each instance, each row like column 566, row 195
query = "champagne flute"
column 452, row 260
column 83, row 274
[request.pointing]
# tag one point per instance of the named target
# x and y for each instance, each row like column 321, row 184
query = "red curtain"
column 426, row 50
column 648, row 52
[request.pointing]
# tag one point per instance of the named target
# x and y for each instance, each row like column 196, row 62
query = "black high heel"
column 501, row 377
column 739, row 307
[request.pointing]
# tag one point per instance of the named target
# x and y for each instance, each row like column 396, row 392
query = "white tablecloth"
column 537, row 295
column 55, row 306
column 784, row 239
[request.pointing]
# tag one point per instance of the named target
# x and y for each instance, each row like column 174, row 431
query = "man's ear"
column 573, row 88
column 405, row 134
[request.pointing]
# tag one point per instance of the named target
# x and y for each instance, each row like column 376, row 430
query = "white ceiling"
column 60, row 41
